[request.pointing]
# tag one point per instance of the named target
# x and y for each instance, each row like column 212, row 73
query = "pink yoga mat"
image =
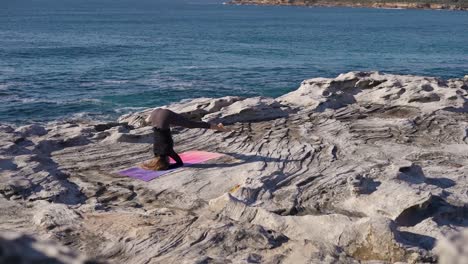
column 189, row 158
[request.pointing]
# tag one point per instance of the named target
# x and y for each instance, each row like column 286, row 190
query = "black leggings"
column 176, row 158
column 163, row 146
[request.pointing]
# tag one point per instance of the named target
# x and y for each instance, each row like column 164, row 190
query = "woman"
column 163, row 146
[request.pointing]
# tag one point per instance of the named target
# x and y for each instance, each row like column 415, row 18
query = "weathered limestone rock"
column 21, row 248
column 365, row 167
column 424, row 93
column 31, row 130
column 50, row 215
column 197, row 108
column 248, row 110
column 453, row 249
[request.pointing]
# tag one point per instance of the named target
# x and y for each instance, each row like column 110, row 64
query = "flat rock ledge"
column 362, row 168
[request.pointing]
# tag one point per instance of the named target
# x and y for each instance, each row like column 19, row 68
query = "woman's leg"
column 176, row 158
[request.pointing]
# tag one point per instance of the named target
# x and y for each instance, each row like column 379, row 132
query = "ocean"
column 98, row 59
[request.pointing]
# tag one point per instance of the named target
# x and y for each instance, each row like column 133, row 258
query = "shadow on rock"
column 441, row 212
column 241, row 159
column 417, row 240
column 415, row 175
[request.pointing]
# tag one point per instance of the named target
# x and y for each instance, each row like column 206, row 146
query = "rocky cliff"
column 362, row 167
column 417, row 4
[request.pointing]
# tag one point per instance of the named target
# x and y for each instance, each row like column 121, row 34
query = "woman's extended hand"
column 220, row 127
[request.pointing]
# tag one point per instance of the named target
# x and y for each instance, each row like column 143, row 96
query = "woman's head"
column 157, row 163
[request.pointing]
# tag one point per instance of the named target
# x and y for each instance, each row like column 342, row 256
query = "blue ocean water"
column 102, row 58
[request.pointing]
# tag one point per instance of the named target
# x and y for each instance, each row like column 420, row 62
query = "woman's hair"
column 157, row 163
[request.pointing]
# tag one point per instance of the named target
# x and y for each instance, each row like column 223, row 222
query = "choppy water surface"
column 102, row 58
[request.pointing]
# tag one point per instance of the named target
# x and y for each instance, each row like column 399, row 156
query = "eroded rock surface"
column 362, row 167
column 20, row 248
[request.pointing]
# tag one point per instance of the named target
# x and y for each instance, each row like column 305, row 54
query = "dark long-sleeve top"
column 164, row 118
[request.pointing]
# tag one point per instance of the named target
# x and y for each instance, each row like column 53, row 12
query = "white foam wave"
column 196, row 67
column 5, row 86
column 115, row 81
column 32, row 100
column 90, row 100
column 89, row 116
column 7, row 70
column 159, row 80
column 129, row 109
column 91, row 84
column 57, row 102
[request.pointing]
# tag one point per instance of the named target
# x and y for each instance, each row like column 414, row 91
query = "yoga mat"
column 189, row 158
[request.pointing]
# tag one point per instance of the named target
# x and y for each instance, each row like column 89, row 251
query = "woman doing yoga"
column 163, row 146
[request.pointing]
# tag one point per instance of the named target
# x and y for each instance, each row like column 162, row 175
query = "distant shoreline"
column 363, row 4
